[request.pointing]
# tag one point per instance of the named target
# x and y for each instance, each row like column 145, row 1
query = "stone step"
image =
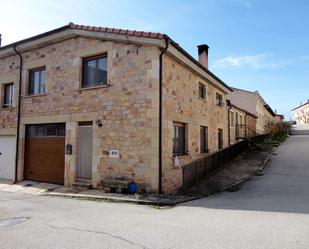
column 82, row 183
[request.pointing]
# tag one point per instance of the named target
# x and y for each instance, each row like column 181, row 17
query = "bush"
column 278, row 131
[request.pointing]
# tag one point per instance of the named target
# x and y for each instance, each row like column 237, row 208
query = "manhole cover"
column 13, row 221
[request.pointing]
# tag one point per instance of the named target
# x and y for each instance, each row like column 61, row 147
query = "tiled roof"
column 118, row 31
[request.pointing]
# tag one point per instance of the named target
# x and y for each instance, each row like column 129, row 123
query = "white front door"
column 84, row 152
column 7, row 157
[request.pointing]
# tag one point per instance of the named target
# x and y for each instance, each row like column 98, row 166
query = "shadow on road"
column 283, row 188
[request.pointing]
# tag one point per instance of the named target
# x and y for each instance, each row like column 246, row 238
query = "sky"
column 255, row 45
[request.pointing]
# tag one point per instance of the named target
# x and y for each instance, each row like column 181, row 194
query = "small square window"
column 36, row 81
column 94, row 71
column 201, row 91
column 8, row 95
column 219, row 100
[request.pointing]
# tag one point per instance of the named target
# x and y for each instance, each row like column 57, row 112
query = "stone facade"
column 300, row 114
column 128, row 107
column 182, row 104
column 254, row 104
column 237, row 124
column 246, row 124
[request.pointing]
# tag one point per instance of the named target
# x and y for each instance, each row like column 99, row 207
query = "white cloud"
column 257, row 62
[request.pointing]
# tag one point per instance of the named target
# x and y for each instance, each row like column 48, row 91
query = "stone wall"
column 301, row 114
column 9, row 71
column 128, row 107
column 181, row 103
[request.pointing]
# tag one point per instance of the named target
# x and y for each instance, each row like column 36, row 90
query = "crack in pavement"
column 97, row 232
column 17, row 199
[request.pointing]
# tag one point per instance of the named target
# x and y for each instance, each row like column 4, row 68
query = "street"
column 269, row 211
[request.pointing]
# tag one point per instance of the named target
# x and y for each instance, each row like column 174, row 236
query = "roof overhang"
column 67, row 32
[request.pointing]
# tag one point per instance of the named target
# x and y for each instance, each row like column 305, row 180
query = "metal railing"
column 205, row 166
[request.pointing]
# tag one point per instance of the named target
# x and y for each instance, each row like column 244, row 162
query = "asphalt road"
column 270, row 211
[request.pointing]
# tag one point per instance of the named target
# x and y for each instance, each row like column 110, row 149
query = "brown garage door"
column 44, row 153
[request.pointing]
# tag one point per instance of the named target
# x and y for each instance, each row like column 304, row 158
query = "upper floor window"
column 179, row 139
column 37, row 81
column 8, row 95
column 219, row 100
column 232, row 119
column 204, row 139
column 201, row 91
column 94, row 71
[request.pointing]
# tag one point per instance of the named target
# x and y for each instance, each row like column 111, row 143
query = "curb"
column 116, row 199
column 239, row 182
column 158, row 203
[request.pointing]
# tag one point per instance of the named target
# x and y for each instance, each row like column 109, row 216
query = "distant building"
column 279, row 117
column 300, row 114
column 253, row 103
column 242, row 124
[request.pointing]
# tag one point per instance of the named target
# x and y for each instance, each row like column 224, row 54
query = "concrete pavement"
column 270, row 211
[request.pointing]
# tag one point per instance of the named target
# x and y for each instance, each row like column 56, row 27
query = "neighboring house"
column 99, row 103
column 254, row 104
column 300, row 114
column 279, row 118
column 242, row 124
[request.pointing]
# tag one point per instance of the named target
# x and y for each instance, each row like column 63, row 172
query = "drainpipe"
column 18, row 111
column 166, row 38
column 246, row 126
column 228, row 121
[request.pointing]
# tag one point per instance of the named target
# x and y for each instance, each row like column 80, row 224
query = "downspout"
column 228, row 121
column 246, row 125
column 167, row 41
column 18, row 111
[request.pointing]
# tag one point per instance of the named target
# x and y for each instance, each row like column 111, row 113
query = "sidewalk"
column 229, row 177
column 232, row 174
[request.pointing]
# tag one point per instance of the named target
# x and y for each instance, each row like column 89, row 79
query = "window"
column 201, row 91
column 179, row 139
column 219, row 100
column 237, row 118
column 241, row 121
column 204, row 139
column 232, row 119
column 220, row 139
column 37, row 81
column 44, row 130
column 94, row 71
column 8, row 95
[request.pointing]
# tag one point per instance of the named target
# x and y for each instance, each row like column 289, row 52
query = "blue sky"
column 256, row 45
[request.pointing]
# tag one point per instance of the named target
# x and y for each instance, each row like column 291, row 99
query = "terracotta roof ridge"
column 146, row 34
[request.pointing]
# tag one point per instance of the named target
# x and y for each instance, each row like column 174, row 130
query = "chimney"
column 203, row 54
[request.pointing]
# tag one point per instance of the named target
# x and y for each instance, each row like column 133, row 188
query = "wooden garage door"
column 44, row 153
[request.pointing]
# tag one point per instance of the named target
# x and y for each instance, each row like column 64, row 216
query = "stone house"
column 89, row 103
column 300, row 114
column 242, row 124
column 254, row 104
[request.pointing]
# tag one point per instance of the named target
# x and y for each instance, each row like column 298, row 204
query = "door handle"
column 0, row 153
